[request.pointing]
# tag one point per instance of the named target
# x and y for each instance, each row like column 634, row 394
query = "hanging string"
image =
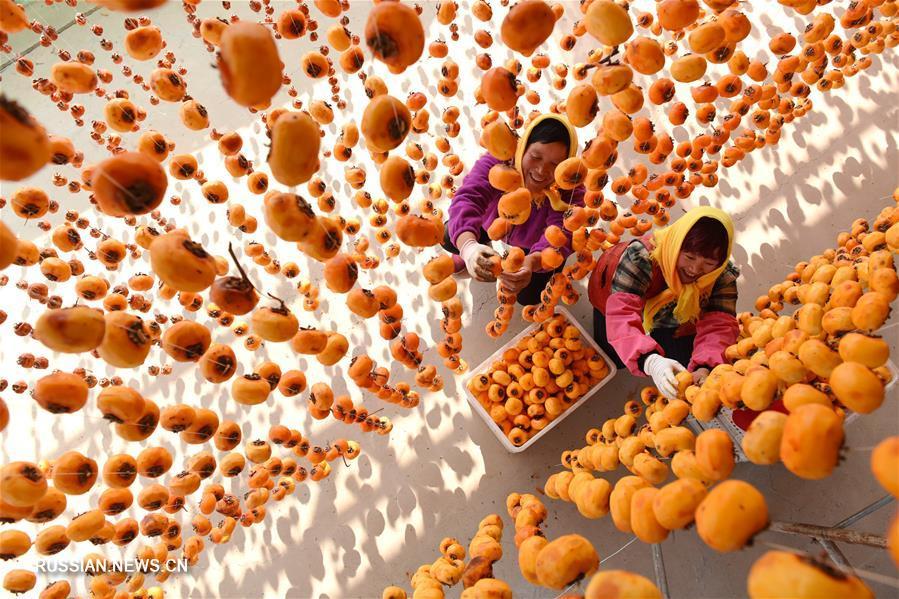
column 377, row 29
column 184, row 432
column 567, row 589
column 620, row 549
column 37, row 44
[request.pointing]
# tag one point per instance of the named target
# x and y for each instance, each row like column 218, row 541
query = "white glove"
column 477, row 260
column 700, row 375
column 663, row 371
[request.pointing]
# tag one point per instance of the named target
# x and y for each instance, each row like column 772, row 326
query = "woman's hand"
column 663, row 371
column 514, row 282
column 700, row 375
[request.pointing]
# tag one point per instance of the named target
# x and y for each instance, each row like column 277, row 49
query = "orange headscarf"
column 667, row 244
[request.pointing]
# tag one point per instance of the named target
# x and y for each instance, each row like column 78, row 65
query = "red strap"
column 744, row 417
column 600, row 286
column 657, row 284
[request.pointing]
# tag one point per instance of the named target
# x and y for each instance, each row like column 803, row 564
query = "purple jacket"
column 475, row 207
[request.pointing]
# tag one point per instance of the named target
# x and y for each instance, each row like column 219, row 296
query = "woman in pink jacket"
column 667, row 302
column 548, row 140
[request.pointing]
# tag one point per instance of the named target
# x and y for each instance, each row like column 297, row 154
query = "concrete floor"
column 441, row 470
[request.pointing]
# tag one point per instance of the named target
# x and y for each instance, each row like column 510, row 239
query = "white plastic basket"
column 485, row 365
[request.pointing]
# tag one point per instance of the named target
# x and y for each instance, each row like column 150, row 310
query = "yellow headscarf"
column 551, row 192
column 667, row 244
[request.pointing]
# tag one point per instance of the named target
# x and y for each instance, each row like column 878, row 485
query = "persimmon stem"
column 277, row 299
column 608, row 59
column 240, row 269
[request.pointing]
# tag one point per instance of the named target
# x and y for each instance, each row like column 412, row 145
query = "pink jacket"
column 715, row 331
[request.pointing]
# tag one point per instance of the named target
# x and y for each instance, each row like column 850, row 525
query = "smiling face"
column 539, row 163
column 692, row 265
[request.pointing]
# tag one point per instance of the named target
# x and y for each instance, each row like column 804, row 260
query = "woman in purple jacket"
column 548, row 140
